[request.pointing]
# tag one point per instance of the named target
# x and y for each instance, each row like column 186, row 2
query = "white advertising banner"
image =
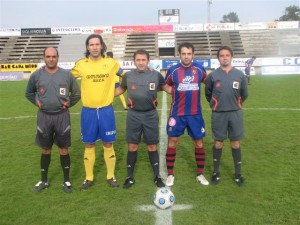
column 187, row 27
column 288, row 24
column 166, row 43
column 250, row 26
column 66, row 30
column 218, row 26
column 10, row 32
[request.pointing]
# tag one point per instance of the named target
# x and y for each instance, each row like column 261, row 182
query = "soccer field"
column 270, row 151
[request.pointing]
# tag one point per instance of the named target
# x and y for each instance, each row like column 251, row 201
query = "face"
column 94, row 47
column 186, row 56
column 51, row 58
column 225, row 58
column 141, row 62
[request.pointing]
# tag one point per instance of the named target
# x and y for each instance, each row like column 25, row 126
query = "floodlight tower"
column 209, row 3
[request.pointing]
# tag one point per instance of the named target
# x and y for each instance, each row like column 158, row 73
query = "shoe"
column 86, row 184
column 215, row 179
column 67, row 187
column 125, row 108
column 239, row 180
column 128, row 182
column 200, row 178
column 113, row 182
column 40, row 186
column 158, row 181
column 170, row 180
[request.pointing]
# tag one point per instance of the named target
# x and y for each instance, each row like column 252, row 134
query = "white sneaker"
column 170, row 180
column 200, row 178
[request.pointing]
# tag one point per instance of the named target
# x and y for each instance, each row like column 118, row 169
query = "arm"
column 167, row 88
column 75, row 91
column 244, row 89
column 31, row 90
column 120, row 90
column 208, row 87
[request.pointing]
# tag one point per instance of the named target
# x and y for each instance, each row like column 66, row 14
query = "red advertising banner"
column 142, row 29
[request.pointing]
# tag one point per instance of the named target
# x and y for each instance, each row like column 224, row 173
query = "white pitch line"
column 163, row 137
column 164, row 109
column 163, row 216
column 164, row 112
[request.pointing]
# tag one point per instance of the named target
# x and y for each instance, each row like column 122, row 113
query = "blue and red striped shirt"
column 186, row 83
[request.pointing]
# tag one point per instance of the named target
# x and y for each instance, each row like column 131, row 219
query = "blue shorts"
column 247, row 72
column 98, row 124
column 194, row 124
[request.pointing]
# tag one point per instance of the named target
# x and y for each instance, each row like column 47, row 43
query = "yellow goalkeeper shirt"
column 98, row 80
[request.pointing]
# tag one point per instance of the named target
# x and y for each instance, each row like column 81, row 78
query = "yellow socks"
column 89, row 162
column 110, row 161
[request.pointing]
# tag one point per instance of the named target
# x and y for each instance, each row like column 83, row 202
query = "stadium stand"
column 26, row 48
column 245, row 43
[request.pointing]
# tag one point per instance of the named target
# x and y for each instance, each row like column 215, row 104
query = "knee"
column 46, row 151
column 63, row 151
column 172, row 142
column 235, row 144
column 218, row 144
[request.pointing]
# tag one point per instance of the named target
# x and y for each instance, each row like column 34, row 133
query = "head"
column 50, row 55
column 225, row 55
column 141, row 60
column 109, row 54
column 95, row 46
column 186, row 53
column 253, row 57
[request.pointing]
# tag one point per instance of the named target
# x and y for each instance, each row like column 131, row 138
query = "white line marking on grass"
column 163, row 137
column 163, row 216
column 164, row 114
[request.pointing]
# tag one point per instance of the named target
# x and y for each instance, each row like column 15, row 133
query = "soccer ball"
column 164, row 198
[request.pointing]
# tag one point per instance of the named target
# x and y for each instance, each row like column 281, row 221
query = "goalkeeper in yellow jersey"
column 98, row 75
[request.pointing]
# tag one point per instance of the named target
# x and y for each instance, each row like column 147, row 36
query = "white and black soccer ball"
column 164, row 198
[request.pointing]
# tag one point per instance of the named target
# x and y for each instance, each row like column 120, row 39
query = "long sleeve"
column 31, row 90
column 75, row 91
column 244, row 89
column 208, row 88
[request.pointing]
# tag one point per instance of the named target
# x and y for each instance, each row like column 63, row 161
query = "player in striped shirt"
column 185, row 79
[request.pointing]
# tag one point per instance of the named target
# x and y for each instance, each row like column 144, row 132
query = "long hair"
column 104, row 48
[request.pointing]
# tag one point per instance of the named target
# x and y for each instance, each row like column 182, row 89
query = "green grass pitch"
column 270, row 151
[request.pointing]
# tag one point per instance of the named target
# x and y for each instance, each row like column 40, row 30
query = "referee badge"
column 62, row 91
column 152, row 86
column 235, row 85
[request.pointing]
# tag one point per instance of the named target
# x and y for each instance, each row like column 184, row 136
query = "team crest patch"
column 62, row 91
column 172, row 122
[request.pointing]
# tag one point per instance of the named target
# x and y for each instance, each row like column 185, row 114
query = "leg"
column 110, row 161
column 171, row 154
column 45, row 162
column 170, row 159
column 237, row 156
column 154, row 160
column 65, row 164
column 131, row 161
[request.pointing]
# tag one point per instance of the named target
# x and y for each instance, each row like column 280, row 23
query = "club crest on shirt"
column 235, row 85
column 152, row 86
column 172, row 122
column 62, row 91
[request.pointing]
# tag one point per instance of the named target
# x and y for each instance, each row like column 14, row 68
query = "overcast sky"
column 55, row 13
